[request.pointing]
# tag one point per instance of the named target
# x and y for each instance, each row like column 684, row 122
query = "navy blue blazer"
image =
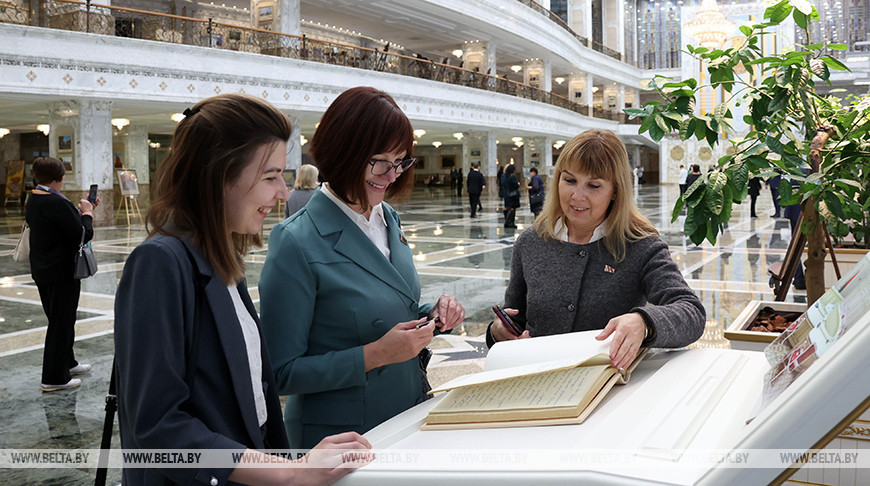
column 325, row 292
column 159, row 292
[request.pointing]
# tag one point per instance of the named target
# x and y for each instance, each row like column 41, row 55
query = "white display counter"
column 676, row 404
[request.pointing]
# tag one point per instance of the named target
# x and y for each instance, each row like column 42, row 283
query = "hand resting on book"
column 629, row 331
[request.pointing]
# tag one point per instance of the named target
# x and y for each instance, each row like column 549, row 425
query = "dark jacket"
column 754, row 186
column 55, row 233
column 691, row 178
column 476, row 181
column 157, row 298
column 511, row 191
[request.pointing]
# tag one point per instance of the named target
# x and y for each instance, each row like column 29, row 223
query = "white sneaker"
column 72, row 383
column 80, row 369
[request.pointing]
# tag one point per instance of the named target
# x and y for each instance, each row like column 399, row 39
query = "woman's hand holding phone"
column 503, row 328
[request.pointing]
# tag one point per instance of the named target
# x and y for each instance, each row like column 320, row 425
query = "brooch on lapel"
column 402, row 238
column 609, row 269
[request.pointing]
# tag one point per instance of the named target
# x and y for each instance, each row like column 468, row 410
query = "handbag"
column 21, row 253
column 86, row 263
column 536, row 198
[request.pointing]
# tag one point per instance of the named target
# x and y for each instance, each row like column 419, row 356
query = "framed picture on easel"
column 128, row 182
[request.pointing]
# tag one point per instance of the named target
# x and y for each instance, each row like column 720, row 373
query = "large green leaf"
column 779, row 12
column 834, row 64
column 727, row 203
column 678, row 208
column 773, row 144
column 785, row 192
column 740, row 174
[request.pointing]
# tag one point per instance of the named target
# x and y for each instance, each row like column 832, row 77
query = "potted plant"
column 792, row 128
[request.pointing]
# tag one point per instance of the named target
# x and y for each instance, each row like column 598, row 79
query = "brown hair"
column 47, row 170
column 360, row 123
column 210, row 148
column 599, row 153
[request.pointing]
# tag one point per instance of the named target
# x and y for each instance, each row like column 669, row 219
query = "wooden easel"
column 131, row 208
column 782, row 273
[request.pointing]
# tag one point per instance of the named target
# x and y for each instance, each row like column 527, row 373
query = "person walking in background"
column 459, row 179
column 536, row 192
column 191, row 367
column 684, row 174
column 511, row 196
column 773, row 184
column 303, row 188
column 57, row 228
column 754, row 191
column 476, row 185
column 693, row 176
column 793, row 213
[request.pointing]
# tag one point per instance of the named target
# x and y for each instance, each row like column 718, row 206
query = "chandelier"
column 710, row 27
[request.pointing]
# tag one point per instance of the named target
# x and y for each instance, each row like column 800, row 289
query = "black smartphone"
column 92, row 194
column 506, row 320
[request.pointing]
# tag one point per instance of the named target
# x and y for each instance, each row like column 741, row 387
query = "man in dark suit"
column 476, row 185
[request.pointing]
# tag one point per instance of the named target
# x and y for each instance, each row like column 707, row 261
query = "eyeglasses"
column 382, row 167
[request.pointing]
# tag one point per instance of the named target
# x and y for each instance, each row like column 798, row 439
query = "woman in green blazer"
column 339, row 294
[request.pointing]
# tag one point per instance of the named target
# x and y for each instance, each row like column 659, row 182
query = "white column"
column 93, row 146
column 546, row 156
column 294, row 146
column 289, row 17
column 620, row 99
column 588, row 93
column 620, row 26
column 136, row 153
column 485, row 142
column 468, row 142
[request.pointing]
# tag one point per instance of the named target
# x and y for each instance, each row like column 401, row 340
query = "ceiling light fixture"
column 419, row 132
column 559, row 80
column 176, row 117
column 302, row 140
column 436, row 144
column 458, row 135
column 120, row 123
column 4, row 132
column 516, row 68
column 457, row 52
column 44, row 128
column 558, row 144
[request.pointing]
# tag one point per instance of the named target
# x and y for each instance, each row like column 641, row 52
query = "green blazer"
column 325, row 291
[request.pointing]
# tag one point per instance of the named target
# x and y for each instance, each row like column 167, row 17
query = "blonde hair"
column 306, row 178
column 600, row 154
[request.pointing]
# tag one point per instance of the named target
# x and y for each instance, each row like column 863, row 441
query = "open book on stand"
column 547, row 380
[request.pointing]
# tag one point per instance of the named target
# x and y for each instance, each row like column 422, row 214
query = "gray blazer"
column 561, row 287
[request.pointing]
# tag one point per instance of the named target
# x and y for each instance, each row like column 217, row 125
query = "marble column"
column 136, row 158
column 294, row 145
column 589, row 93
column 486, row 142
column 91, row 151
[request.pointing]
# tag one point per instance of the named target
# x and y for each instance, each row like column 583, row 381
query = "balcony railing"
column 126, row 22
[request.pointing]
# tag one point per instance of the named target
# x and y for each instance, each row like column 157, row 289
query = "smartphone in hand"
column 92, row 194
column 506, row 320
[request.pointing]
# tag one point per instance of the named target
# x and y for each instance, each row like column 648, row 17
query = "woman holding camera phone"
column 192, row 371
column 340, row 297
column 592, row 261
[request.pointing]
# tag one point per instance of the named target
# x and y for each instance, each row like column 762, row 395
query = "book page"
column 570, row 346
column 561, row 393
column 529, row 369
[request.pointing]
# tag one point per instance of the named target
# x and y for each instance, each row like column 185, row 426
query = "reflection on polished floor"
column 468, row 258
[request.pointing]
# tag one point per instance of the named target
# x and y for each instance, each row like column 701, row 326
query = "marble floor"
column 455, row 254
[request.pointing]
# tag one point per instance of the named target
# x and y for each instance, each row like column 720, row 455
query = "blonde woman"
column 592, row 261
column 303, row 189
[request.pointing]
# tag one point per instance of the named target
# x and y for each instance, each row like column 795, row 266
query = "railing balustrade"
column 85, row 16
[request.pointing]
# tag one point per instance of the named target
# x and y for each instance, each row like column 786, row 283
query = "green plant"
column 792, row 128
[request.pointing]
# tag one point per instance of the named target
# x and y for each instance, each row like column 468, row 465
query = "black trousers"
column 474, row 200
column 60, row 299
column 752, row 205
